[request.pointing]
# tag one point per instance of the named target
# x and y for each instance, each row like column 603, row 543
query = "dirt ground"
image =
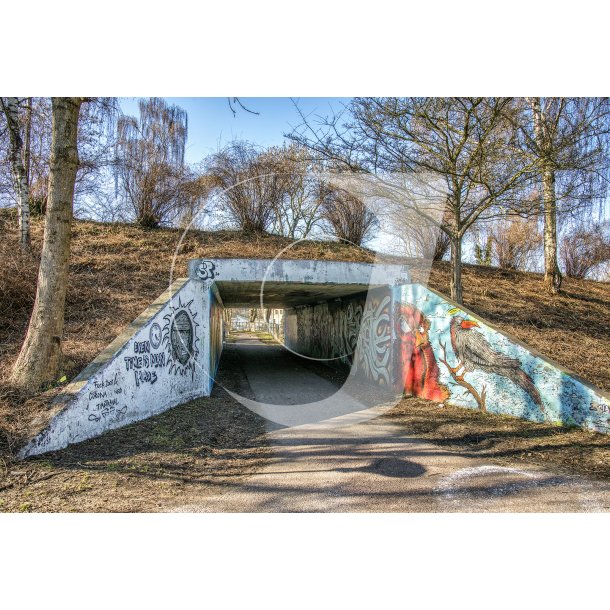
column 499, row 438
column 502, row 439
column 177, row 457
column 185, row 454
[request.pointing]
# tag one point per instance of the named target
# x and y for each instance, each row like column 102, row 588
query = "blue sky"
column 212, row 124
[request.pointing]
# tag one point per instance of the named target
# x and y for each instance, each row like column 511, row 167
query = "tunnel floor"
column 277, row 376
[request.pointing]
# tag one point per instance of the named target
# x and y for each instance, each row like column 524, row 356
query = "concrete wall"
column 502, row 375
column 406, row 337
column 163, row 359
column 216, row 335
column 351, row 331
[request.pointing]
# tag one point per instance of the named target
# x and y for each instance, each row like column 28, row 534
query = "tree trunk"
column 552, row 274
column 39, row 359
column 20, row 177
column 27, row 150
column 456, row 269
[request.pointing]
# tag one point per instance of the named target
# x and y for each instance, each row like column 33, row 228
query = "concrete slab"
column 287, row 283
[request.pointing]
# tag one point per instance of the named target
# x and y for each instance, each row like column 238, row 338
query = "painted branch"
column 479, row 397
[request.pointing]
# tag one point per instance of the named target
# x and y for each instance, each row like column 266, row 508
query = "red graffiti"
column 418, row 367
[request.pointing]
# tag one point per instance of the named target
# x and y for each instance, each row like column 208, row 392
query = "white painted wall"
column 161, row 361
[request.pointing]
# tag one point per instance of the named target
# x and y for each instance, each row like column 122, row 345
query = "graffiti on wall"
column 141, row 375
column 329, row 331
column 374, row 345
column 355, row 332
column 419, row 374
column 105, row 399
column 144, row 361
column 483, row 368
column 206, row 270
column 180, row 338
column 473, row 352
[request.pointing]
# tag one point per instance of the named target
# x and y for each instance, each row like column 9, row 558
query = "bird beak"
column 469, row 324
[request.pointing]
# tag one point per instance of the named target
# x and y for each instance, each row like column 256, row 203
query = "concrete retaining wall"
column 163, row 359
column 502, row 374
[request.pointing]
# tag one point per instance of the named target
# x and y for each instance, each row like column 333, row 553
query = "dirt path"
column 374, row 465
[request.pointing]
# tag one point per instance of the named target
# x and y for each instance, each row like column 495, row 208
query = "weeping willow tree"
column 150, row 161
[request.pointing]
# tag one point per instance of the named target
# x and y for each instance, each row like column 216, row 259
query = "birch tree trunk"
column 552, row 273
column 10, row 106
column 27, row 156
column 39, row 359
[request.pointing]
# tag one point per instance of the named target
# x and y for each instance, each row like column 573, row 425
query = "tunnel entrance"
column 321, row 310
column 392, row 336
column 320, row 314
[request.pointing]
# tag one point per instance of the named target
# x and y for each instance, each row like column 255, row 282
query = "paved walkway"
column 367, row 463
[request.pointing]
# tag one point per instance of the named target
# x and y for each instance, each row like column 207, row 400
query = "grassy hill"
column 117, row 270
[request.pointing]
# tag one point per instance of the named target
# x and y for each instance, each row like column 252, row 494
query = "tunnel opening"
column 390, row 337
column 292, row 321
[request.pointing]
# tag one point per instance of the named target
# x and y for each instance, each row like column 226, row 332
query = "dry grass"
column 174, row 459
column 506, row 439
column 573, row 328
column 117, row 270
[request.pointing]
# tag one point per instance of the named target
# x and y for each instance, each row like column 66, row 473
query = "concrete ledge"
column 297, row 271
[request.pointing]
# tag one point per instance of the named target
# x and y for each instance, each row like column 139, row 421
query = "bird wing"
column 477, row 350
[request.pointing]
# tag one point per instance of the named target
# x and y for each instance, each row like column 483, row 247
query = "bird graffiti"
column 475, row 354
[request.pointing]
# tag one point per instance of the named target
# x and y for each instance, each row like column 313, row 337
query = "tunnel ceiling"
column 282, row 295
column 289, row 283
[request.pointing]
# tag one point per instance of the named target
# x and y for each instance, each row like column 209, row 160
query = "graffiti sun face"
column 180, row 338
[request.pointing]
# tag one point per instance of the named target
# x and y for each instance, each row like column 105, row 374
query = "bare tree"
column 39, row 358
column 585, row 249
column 250, row 183
column 467, row 143
column 418, row 237
column 194, row 191
column 509, row 243
column 298, row 210
column 150, row 160
column 567, row 137
column 96, row 155
column 515, row 242
column 19, row 159
column 348, row 216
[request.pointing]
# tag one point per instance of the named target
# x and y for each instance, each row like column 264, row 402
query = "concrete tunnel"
column 394, row 337
column 326, row 305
